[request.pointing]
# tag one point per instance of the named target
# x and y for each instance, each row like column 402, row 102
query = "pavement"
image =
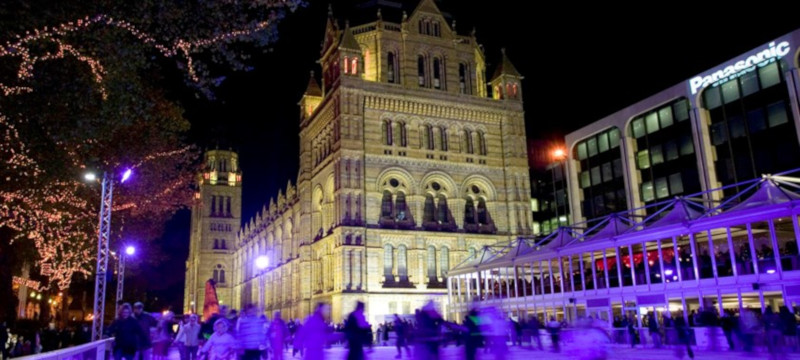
column 609, row 352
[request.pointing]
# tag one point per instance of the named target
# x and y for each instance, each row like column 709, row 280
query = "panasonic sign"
column 763, row 57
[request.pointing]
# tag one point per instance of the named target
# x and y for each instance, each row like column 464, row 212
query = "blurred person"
column 789, row 330
column 748, row 326
column 277, row 333
column 474, row 337
column 148, row 324
column 188, row 338
column 554, row 328
column 313, row 334
column 772, row 332
column 728, row 323
column 655, row 332
column 162, row 337
column 534, row 325
column 250, row 330
column 127, row 333
column 684, row 339
column 499, row 334
column 221, row 345
column 401, row 331
column 429, row 331
column 356, row 330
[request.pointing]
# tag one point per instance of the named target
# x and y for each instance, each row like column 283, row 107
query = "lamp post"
column 103, row 235
column 559, row 155
column 261, row 263
column 125, row 252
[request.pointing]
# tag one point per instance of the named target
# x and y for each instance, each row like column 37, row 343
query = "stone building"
column 410, row 162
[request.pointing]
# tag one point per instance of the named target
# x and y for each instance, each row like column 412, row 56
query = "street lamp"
column 129, row 251
column 261, row 263
column 103, row 236
column 559, row 155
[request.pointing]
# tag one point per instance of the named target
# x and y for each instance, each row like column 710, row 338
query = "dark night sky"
column 580, row 64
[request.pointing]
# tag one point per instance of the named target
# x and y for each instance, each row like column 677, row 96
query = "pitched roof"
column 348, row 40
column 505, row 67
column 313, row 88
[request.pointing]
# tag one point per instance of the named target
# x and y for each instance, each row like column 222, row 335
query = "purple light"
column 126, row 175
column 668, row 272
column 771, row 271
column 130, row 250
column 262, row 262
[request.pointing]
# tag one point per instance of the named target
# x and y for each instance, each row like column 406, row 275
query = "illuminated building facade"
column 408, row 165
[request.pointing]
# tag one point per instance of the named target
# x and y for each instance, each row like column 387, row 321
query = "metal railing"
column 93, row 350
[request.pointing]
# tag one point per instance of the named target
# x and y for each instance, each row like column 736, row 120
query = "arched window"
column 443, row 138
column 228, row 212
column 462, row 78
column 346, row 65
column 421, row 70
column 466, row 142
column 222, row 244
column 392, row 73
column 429, row 213
column 402, row 263
column 436, row 29
column 508, row 91
column 386, row 131
column 213, row 205
column 498, row 93
column 444, row 261
column 386, row 204
column 514, row 90
column 216, row 244
column 219, row 274
column 421, row 27
column 388, row 257
column 354, row 66
column 483, row 214
column 437, row 73
column 399, row 133
column 427, row 137
column 442, row 210
column 427, row 27
column 401, row 209
column 431, row 263
column 482, row 143
column 469, row 212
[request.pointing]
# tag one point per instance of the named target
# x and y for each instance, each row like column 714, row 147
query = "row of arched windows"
column 401, row 257
column 219, row 244
column 220, row 207
column 511, row 91
column 219, row 274
column 395, row 132
column 351, row 65
column 430, row 27
column 436, row 213
column 429, row 76
column 425, row 79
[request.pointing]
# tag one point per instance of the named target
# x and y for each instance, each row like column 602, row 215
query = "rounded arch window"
column 394, row 183
column 435, row 185
column 476, row 189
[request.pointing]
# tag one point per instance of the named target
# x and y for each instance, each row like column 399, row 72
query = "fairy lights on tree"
column 89, row 93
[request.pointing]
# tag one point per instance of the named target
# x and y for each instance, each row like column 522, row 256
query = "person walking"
column 221, row 345
column 554, row 327
column 534, row 325
column 148, row 324
column 728, row 324
column 655, row 332
column 250, row 330
column 188, row 338
column 277, row 333
column 162, row 337
column 356, row 331
column 684, row 339
column 474, row 338
column 312, row 336
column 127, row 334
column 401, row 331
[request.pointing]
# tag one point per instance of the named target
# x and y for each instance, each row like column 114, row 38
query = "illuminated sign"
column 771, row 54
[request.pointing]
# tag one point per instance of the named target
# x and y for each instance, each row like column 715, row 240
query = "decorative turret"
column 311, row 98
column 350, row 52
column 506, row 81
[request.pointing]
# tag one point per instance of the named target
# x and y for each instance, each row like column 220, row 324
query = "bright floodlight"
column 559, row 153
column 90, row 176
column 126, row 175
column 130, row 250
column 262, row 262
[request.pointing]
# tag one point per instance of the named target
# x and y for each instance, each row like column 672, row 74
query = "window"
column 749, row 83
column 216, row 244
column 592, row 145
column 354, row 66
column 608, row 174
column 482, row 143
column 346, row 65
column 462, row 78
column 401, row 137
column 437, row 73
column 222, row 244
column 686, row 145
column 386, row 131
column 400, row 206
column 651, row 123
column 402, row 263
column 219, row 274
column 429, row 210
column 643, row 159
column 665, row 116
column 656, row 157
column 681, row 110
column 662, row 189
column 213, row 205
column 756, row 121
column 444, row 261
column 388, row 258
column 467, row 142
column 671, row 150
column 431, row 263
column 483, row 214
column 582, row 154
column 602, row 142
column 442, row 138
column 442, row 210
column 596, row 178
column 386, row 205
column 675, row 184
column 421, row 70
column 647, row 191
column 229, row 207
column 776, row 113
column 392, row 72
column 585, row 180
column 613, row 138
column 469, row 212
column 730, row 91
column 769, row 75
column 638, row 128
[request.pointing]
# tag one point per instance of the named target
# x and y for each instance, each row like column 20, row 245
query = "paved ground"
column 614, row 352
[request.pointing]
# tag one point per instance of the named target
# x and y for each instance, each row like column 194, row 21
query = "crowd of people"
column 21, row 342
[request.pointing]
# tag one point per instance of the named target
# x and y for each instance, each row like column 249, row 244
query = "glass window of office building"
column 752, row 126
column 600, row 174
column 664, row 152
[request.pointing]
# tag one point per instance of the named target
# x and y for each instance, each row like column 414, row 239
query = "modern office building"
column 686, row 200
